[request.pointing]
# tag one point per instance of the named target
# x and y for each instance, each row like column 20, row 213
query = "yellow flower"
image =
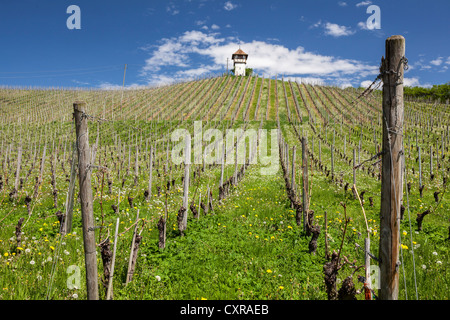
column 51, row 247
column 405, row 233
column 6, row 254
column 281, row 287
column 404, row 247
column 269, row 271
column 289, row 227
column 203, row 298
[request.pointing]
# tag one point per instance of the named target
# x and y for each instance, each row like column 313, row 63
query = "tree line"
column 439, row 92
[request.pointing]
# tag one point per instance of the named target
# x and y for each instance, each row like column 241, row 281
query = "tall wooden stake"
column 305, row 184
column 71, row 192
column 110, row 284
column 187, row 163
column 87, row 213
column 391, row 179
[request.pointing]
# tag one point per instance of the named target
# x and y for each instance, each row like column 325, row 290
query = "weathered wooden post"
column 131, row 260
column 110, row 283
column 87, row 213
column 293, row 169
column 187, row 163
column 391, row 178
column 71, row 192
column 14, row 193
column 305, row 183
column 420, row 171
column 150, row 175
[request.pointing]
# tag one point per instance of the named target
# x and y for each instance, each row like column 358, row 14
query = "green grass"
column 250, row 247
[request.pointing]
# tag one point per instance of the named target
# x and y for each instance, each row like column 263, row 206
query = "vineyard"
column 246, row 235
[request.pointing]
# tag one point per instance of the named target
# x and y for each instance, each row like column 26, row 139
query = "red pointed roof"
column 240, row 52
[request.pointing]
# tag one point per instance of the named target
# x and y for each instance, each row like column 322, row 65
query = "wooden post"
column 187, row 163
column 354, row 167
column 420, row 169
column 131, row 261
column 110, row 284
column 320, row 152
column 293, row 169
column 87, row 213
column 150, row 175
column 16, row 182
column 431, row 160
column 71, row 192
column 222, row 164
column 391, row 179
column 305, row 183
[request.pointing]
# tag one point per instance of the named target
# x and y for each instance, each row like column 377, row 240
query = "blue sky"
column 320, row 41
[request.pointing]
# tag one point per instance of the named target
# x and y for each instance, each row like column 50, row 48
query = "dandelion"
column 75, row 296
column 439, row 262
column 27, row 250
column 269, row 271
column 281, row 287
column 66, row 252
column 405, row 233
column 6, row 254
column 435, row 253
column 32, row 262
column 289, row 227
column 424, row 267
column 404, row 247
column 158, row 278
column 52, row 247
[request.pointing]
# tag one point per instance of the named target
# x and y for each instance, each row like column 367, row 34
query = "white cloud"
column 308, row 80
column 407, row 82
column 342, row 3
column 437, row 62
column 200, row 22
column 215, row 27
column 411, row 82
column 316, row 25
column 336, row 30
column 229, row 6
column 195, row 53
column 362, row 25
column 172, row 9
column 111, row 86
column 363, row 3
column 448, row 61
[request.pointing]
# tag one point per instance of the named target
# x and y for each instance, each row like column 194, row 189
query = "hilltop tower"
column 240, row 61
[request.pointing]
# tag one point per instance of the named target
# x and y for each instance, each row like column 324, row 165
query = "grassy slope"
column 250, row 248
